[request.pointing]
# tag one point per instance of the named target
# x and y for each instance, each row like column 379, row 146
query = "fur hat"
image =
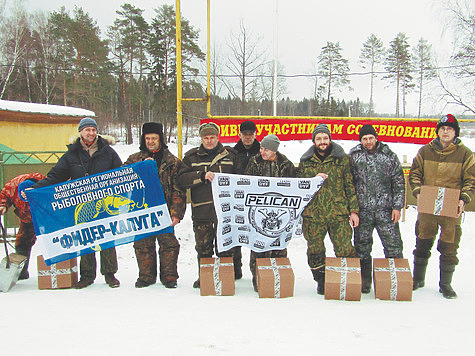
column 449, row 120
column 367, row 129
column 321, row 128
column 151, row 128
column 209, row 128
column 87, row 122
column 27, row 183
column 247, row 126
column 271, row 142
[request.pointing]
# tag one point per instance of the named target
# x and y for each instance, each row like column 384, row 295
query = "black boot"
column 446, row 273
column 420, row 266
column 237, row 260
column 319, row 277
column 366, row 275
column 24, row 252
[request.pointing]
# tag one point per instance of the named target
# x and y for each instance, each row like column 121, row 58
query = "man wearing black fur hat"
column 152, row 146
column 380, row 188
column 444, row 162
column 246, row 147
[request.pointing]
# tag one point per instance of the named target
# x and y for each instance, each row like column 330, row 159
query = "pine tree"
column 371, row 55
column 398, row 66
column 334, row 69
column 424, row 67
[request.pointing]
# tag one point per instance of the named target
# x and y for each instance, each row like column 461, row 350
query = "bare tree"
column 245, row 62
column 13, row 31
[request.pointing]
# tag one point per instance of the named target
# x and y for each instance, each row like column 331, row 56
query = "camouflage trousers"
column 145, row 251
column 205, row 240
column 88, row 265
column 427, row 227
column 340, row 232
column 267, row 254
column 388, row 233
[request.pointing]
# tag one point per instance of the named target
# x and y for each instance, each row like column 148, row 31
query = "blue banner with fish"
column 98, row 212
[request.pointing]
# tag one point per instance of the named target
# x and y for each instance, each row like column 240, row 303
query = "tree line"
column 128, row 75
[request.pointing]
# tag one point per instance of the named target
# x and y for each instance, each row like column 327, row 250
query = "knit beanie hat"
column 271, row 142
column 27, row 183
column 148, row 128
column 247, row 126
column 209, row 128
column 87, row 122
column 319, row 129
column 367, row 129
column 449, row 120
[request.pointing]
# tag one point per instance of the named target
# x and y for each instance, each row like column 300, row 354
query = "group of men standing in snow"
column 362, row 191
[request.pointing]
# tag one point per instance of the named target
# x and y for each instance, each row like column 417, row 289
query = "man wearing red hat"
column 153, row 146
column 444, row 162
column 11, row 196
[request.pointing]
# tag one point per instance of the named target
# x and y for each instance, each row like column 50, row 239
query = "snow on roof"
column 44, row 108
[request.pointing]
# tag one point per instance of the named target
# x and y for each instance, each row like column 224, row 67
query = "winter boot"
column 83, row 283
column 24, row 252
column 111, row 280
column 237, row 260
column 446, row 273
column 196, row 284
column 319, row 277
column 366, row 275
column 420, row 266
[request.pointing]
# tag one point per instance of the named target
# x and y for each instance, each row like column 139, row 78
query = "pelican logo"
column 272, row 213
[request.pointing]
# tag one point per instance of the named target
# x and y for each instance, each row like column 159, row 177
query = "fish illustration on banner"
column 261, row 213
column 100, row 211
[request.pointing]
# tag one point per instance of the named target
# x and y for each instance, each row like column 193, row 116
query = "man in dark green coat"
column 333, row 205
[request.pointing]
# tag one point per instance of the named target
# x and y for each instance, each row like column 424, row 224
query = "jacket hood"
column 337, row 151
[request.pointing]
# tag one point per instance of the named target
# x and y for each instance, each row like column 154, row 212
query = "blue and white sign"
column 98, row 212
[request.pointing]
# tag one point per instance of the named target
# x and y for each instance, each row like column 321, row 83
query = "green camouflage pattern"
column 280, row 167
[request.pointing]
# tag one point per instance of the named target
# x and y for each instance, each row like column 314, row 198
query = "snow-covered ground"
column 99, row 320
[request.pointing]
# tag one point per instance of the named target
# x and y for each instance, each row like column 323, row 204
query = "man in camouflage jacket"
column 197, row 173
column 269, row 163
column 380, row 188
column 331, row 207
column 10, row 196
column 152, row 146
column 444, row 162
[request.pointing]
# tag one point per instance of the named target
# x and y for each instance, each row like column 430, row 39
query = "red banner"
column 389, row 130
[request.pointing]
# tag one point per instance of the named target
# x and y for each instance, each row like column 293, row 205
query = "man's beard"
column 319, row 150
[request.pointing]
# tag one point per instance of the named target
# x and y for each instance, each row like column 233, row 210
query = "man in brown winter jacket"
column 444, row 162
column 197, row 173
column 153, row 147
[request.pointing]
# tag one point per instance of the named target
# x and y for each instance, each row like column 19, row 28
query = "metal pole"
column 274, row 86
column 208, row 59
column 179, row 93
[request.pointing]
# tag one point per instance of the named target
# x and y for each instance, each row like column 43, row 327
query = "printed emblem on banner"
column 239, row 219
column 225, row 194
column 226, row 229
column 244, row 228
column 259, row 244
column 109, row 205
column 276, row 243
column 239, row 207
column 227, row 220
column 244, row 239
column 227, row 241
column 272, row 213
column 225, row 207
column 239, row 194
column 263, row 183
column 284, row 183
column 243, row 181
column 223, row 181
column 304, row 184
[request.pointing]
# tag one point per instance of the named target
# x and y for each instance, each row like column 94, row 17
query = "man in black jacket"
column 246, row 147
column 88, row 154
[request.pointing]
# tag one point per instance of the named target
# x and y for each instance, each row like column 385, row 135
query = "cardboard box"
column 217, row 276
column 392, row 279
column 438, row 201
column 342, row 278
column 275, row 277
column 58, row 275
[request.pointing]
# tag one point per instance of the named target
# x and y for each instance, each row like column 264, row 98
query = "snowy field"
column 99, row 320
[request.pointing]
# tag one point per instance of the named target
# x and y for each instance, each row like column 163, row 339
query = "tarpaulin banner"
column 262, row 213
column 98, row 212
column 388, row 130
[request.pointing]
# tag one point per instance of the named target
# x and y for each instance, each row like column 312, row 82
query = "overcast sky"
column 304, row 27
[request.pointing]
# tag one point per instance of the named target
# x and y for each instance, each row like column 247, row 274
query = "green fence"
column 14, row 163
